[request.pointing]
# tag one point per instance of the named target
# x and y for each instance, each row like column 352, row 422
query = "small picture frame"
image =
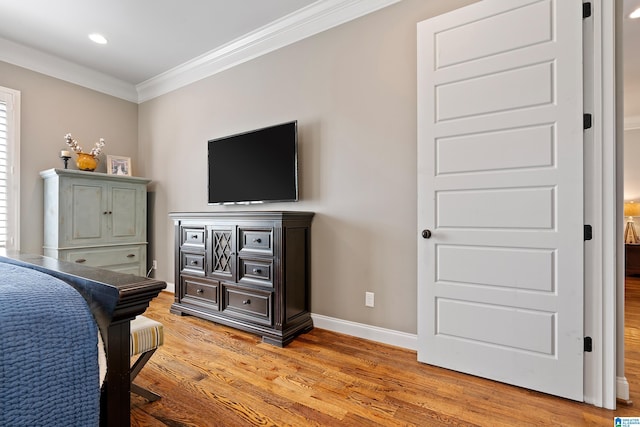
column 118, row 165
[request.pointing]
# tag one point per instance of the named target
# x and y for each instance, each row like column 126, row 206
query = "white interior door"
column 500, row 182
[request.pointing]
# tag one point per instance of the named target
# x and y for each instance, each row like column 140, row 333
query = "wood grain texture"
column 212, row 375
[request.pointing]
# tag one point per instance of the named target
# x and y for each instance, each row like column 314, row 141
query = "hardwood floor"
column 211, row 375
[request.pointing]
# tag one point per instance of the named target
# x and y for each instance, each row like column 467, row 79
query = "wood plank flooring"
column 211, row 375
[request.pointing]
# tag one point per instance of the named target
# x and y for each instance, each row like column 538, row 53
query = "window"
column 9, row 168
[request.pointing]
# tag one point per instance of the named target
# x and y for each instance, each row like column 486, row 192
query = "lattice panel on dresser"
column 222, row 251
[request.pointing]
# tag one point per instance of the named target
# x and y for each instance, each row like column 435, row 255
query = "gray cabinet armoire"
column 96, row 219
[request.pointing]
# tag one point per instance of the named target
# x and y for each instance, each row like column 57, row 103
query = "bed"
column 62, row 308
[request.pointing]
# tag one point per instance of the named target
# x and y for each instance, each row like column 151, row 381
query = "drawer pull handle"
column 131, row 255
column 81, row 260
column 199, row 291
column 105, row 213
column 194, row 237
column 194, row 262
column 246, row 301
column 258, row 240
column 257, row 271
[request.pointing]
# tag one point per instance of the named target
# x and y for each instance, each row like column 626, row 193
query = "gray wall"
column 50, row 108
column 632, row 165
column 353, row 91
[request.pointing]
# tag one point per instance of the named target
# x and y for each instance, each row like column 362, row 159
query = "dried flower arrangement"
column 73, row 144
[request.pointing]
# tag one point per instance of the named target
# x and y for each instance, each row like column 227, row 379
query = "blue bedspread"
column 48, row 352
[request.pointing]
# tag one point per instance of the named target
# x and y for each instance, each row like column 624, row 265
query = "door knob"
column 426, row 234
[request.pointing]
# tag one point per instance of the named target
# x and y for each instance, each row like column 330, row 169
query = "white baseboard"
column 360, row 330
column 622, row 388
column 170, row 288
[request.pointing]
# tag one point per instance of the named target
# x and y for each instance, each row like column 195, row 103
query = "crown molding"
column 308, row 21
column 44, row 63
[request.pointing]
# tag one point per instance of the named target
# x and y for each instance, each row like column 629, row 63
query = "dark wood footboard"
column 114, row 299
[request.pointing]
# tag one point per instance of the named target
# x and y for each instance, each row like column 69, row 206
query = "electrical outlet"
column 369, row 299
column 154, row 265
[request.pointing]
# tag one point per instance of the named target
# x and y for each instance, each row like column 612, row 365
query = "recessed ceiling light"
column 98, row 38
column 635, row 14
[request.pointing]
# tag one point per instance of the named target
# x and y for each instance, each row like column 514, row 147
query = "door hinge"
column 586, row 10
column 587, row 121
column 588, row 344
column 588, row 232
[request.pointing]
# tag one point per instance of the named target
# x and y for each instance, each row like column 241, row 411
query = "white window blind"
column 3, row 174
column 9, row 168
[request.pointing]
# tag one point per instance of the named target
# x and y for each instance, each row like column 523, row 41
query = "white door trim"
column 616, row 135
column 604, row 255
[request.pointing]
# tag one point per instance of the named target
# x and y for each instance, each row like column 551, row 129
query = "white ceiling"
column 155, row 46
column 146, row 37
column 159, row 45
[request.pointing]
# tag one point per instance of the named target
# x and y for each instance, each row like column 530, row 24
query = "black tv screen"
column 254, row 167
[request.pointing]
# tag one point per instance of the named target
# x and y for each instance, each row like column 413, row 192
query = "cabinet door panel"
column 86, row 209
column 222, row 247
column 126, row 212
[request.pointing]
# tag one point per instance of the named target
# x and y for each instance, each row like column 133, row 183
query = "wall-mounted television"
column 254, row 167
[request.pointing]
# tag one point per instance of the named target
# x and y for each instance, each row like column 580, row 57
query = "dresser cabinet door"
column 97, row 212
column 84, row 212
column 127, row 212
column 222, row 250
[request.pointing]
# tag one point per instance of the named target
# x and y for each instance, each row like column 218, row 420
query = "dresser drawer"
column 248, row 304
column 200, row 291
column 192, row 263
column 256, row 240
column 259, row 272
column 193, row 237
column 126, row 259
column 101, row 257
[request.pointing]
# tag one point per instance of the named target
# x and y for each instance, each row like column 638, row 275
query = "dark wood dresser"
column 632, row 259
column 247, row 270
